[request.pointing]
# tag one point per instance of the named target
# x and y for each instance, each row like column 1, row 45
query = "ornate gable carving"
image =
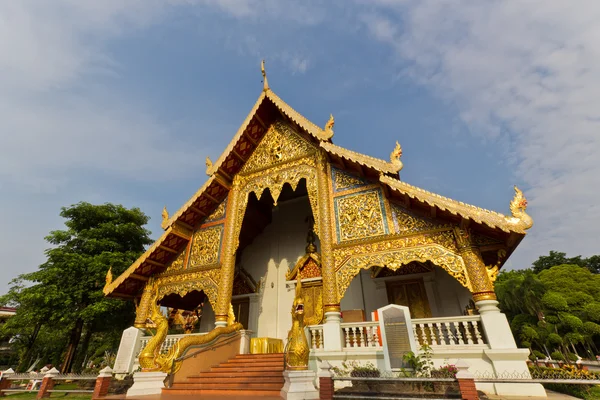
column 405, row 222
column 206, row 246
column 178, row 264
column 360, row 215
column 280, row 144
column 342, row 180
column 219, row 213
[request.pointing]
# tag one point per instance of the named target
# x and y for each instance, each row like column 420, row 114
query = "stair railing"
column 210, row 346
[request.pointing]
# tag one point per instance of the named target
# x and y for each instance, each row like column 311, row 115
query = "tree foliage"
column 63, row 298
column 554, row 308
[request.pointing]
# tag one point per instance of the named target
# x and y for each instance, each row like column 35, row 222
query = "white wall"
column 207, row 322
column 268, row 258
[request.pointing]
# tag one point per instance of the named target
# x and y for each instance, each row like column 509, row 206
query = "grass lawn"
column 63, row 386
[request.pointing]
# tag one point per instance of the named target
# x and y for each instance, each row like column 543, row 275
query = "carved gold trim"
column 395, row 259
column 184, row 283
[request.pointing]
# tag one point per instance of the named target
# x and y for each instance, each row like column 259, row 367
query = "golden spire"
column 395, row 157
column 264, row 74
column 165, row 218
column 328, row 130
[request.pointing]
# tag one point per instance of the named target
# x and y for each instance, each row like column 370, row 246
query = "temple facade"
column 283, row 203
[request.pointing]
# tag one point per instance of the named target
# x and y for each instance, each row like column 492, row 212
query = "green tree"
column 70, row 282
column 557, row 258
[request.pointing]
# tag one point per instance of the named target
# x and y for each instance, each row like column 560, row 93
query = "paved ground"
column 551, row 396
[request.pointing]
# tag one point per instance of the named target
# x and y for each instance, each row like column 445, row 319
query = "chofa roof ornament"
column 264, row 74
column 395, row 157
column 328, row 130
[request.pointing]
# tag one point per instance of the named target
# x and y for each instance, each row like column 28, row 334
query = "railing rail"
column 437, row 332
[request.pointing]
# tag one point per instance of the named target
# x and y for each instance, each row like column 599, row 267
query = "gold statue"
column 165, row 218
column 209, row 166
column 151, row 360
column 518, row 205
column 109, row 276
column 395, row 157
column 492, row 270
column 328, row 130
column 297, row 351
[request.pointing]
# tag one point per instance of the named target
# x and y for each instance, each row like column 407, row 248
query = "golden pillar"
column 331, row 301
column 230, row 244
column 482, row 287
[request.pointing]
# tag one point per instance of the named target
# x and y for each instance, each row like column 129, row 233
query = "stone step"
column 254, row 356
column 237, row 379
column 274, row 366
column 256, row 359
column 238, row 370
column 225, row 385
column 258, row 363
column 229, row 374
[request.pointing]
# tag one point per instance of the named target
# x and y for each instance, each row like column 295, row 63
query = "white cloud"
column 526, row 73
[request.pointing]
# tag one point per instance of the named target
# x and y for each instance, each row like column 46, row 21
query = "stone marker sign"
column 396, row 335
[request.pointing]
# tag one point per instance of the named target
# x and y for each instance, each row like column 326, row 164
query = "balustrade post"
column 47, row 384
column 466, row 381
column 326, row 387
column 4, row 381
column 102, row 383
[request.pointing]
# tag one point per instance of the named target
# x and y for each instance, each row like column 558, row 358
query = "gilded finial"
column 328, row 130
column 165, row 218
column 209, row 166
column 518, row 205
column 109, row 276
column 264, row 74
column 395, row 157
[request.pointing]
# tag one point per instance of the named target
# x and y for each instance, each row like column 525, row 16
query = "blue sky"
column 112, row 102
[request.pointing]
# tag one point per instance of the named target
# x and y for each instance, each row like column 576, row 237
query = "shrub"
column 557, row 355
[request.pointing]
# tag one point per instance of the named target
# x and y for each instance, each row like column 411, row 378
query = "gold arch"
column 207, row 281
column 395, row 259
column 274, row 180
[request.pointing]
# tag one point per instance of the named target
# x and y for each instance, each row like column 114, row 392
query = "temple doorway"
column 409, row 293
column 241, row 309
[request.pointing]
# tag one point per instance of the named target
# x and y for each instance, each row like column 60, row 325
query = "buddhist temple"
column 284, row 204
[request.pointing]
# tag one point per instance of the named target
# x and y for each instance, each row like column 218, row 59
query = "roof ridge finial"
column 264, row 74
column 328, row 130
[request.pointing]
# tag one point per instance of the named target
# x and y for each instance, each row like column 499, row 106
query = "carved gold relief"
column 219, row 213
column 177, row 264
column 343, row 180
column 406, row 222
column 482, row 286
column 360, row 216
column 395, row 259
column 206, row 246
column 206, row 280
column 280, row 144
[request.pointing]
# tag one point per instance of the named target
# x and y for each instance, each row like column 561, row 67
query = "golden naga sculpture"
column 165, row 218
column 328, row 130
column 150, row 358
column 297, row 347
column 209, row 166
column 395, row 158
column 518, row 205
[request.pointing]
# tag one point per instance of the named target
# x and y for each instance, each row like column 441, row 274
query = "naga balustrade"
column 435, row 332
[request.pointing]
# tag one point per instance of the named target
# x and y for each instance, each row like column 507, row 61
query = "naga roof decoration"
column 362, row 159
column 518, row 223
column 268, row 107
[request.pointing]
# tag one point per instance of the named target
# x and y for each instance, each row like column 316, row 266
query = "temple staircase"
column 245, row 375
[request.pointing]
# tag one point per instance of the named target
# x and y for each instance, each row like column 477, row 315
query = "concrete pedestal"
column 146, row 383
column 299, row 385
column 332, row 332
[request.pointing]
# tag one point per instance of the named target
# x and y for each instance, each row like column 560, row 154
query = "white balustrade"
column 435, row 332
column 449, row 331
column 316, row 336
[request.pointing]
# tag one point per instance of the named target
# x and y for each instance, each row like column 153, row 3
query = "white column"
column 332, row 332
column 254, row 308
column 506, row 358
column 128, row 349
